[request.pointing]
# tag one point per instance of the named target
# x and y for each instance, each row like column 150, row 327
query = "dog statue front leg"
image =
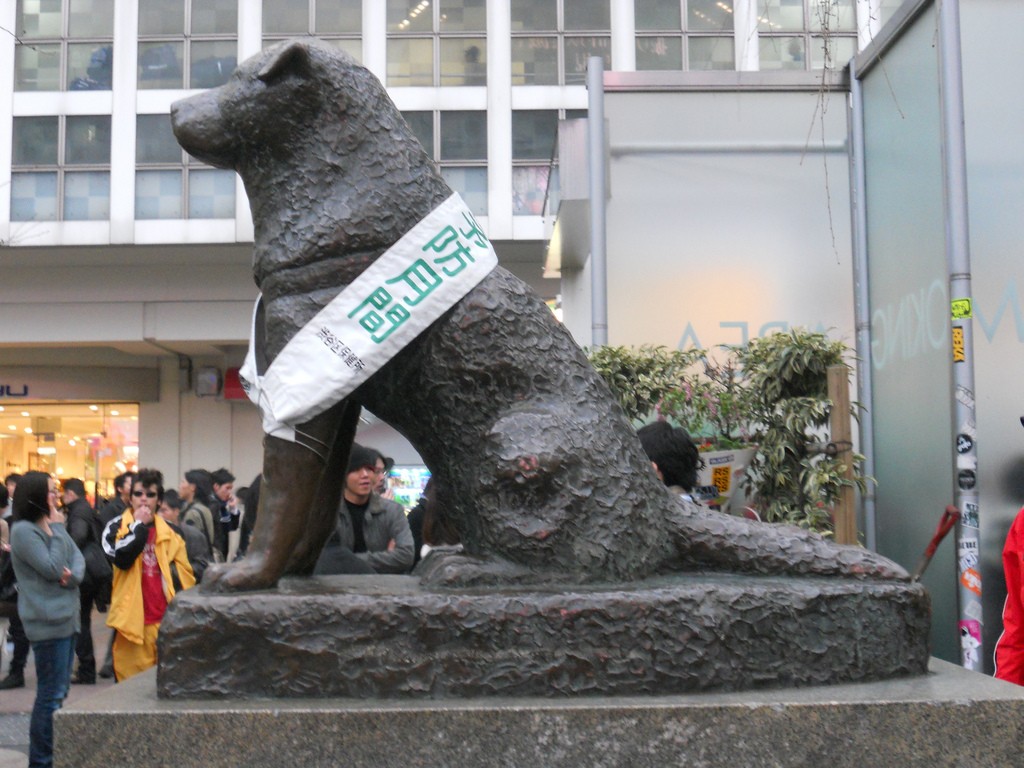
column 298, row 503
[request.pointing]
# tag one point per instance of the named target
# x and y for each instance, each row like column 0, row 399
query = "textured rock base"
column 949, row 717
column 385, row 637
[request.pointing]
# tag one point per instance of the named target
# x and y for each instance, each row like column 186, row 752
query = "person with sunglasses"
column 150, row 566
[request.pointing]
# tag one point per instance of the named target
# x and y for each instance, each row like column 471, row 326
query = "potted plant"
column 699, row 391
column 756, row 411
column 790, row 478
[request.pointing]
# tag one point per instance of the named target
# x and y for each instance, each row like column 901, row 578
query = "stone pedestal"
column 947, row 717
column 386, row 637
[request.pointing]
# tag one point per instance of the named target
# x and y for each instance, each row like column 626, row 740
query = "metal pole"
column 598, row 244
column 958, row 259
column 862, row 302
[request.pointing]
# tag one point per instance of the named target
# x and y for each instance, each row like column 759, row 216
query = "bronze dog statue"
column 534, row 460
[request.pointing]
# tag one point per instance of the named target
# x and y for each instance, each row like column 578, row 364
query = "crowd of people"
column 128, row 556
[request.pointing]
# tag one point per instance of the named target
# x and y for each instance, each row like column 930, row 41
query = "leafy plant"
column 791, row 479
column 642, row 378
column 772, row 392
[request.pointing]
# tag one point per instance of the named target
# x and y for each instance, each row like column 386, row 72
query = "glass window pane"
column 710, row 15
column 706, row 53
column 90, row 67
column 410, row 62
column 34, row 196
column 833, row 15
column 534, row 134
column 464, row 136
column 422, row 125
column 534, row 15
column 659, row 53
column 352, row 46
column 530, row 185
column 463, row 16
column 37, row 68
column 410, row 16
column 211, row 194
column 87, row 196
column 285, row 17
column 162, row 17
column 836, row 55
column 90, row 18
column 38, row 18
column 471, row 183
column 534, row 61
column 212, row 63
column 781, row 52
column 160, row 65
column 463, row 61
column 158, row 195
column 589, row 15
column 780, row 15
column 578, row 50
column 35, row 141
column 339, row 16
column 154, row 140
column 214, row 17
column 87, row 140
column 657, row 14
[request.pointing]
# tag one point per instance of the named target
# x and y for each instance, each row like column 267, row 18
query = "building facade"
column 125, row 286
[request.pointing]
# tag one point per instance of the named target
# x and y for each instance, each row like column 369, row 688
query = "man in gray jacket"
column 372, row 534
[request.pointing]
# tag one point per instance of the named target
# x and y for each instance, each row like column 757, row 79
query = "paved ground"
column 15, row 705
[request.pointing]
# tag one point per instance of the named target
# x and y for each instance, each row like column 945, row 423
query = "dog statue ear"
column 293, row 58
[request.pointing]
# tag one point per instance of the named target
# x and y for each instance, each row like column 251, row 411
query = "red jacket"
column 1010, row 647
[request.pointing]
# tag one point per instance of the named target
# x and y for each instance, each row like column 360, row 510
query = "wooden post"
column 842, row 436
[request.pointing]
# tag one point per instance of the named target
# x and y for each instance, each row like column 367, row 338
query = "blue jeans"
column 54, row 660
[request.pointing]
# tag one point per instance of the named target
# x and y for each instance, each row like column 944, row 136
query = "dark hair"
column 673, row 451
column 4, row 496
column 222, row 477
column 172, row 499
column 362, row 456
column 14, row 477
column 203, row 482
column 32, row 497
column 150, row 477
column 75, row 485
column 120, row 480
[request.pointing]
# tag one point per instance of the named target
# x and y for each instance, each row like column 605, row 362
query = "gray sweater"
column 48, row 610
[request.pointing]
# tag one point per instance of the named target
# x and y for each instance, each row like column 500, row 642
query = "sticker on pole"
column 401, row 294
column 961, row 309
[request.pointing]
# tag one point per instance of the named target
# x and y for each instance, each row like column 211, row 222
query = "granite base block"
column 947, row 717
column 386, row 637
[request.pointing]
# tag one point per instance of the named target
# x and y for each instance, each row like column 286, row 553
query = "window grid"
column 51, row 56
column 535, row 160
column 805, row 34
column 548, row 50
column 71, row 183
column 457, row 142
column 338, row 22
column 436, row 44
column 196, row 49
column 685, row 35
column 170, row 183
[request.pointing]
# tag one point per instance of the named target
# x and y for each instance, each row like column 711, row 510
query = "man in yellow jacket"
column 151, row 565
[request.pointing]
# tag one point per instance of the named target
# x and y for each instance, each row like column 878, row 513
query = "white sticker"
column 401, row 294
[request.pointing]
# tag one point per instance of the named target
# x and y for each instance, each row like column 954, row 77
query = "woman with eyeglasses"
column 150, row 566
column 49, row 568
